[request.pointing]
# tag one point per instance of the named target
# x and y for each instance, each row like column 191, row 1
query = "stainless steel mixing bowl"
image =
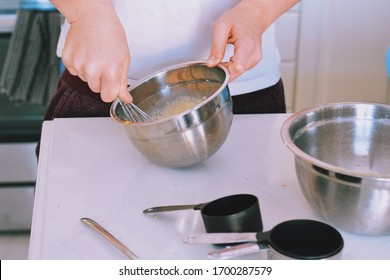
column 185, row 138
column 342, row 161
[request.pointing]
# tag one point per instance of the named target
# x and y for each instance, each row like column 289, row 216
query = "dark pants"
column 74, row 99
column 264, row 101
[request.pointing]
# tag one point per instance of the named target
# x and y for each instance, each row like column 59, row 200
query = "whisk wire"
column 134, row 113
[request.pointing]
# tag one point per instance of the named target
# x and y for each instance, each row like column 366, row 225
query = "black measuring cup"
column 295, row 239
column 234, row 213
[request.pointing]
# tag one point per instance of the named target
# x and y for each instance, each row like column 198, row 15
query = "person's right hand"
column 96, row 50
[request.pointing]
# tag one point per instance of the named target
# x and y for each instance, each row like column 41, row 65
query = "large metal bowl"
column 342, row 161
column 189, row 137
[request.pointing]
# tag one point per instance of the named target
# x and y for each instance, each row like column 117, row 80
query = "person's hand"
column 96, row 50
column 240, row 26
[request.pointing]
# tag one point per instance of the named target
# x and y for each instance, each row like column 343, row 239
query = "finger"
column 74, row 72
column 94, row 84
column 235, row 70
column 247, row 55
column 218, row 46
column 71, row 70
column 110, row 88
column 83, row 77
column 124, row 94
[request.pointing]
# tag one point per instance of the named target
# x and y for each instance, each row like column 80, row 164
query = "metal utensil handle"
column 237, row 251
column 221, row 238
column 170, row 208
column 110, row 238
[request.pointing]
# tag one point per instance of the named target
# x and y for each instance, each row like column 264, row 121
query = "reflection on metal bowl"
column 184, row 134
column 342, row 161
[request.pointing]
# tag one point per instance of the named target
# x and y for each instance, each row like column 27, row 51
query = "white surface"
column 88, row 168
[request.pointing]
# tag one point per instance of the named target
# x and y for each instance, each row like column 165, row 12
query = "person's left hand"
column 240, row 26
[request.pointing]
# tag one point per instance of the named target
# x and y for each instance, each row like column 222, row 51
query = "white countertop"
column 89, row 168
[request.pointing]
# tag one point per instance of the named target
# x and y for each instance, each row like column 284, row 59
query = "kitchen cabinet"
column 18, row 169
column 342, row 52
column 334, row 51
column 20, row 126
column 287, row 37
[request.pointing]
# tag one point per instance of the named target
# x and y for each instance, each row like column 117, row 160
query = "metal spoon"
column 110, row 238
column 174, row 208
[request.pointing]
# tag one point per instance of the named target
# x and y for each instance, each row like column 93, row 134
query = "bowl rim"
column 223, row 85
column 289, row 143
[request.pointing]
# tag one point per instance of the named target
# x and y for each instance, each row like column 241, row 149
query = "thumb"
column 219, row 42
column 124, row 94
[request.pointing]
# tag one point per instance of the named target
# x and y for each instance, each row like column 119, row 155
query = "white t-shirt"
column 162, row 33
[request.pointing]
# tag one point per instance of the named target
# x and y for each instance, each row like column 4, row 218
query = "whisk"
column 133, row 113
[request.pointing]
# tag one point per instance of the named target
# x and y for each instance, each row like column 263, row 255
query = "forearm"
column 74, row 10
column 270, row 10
